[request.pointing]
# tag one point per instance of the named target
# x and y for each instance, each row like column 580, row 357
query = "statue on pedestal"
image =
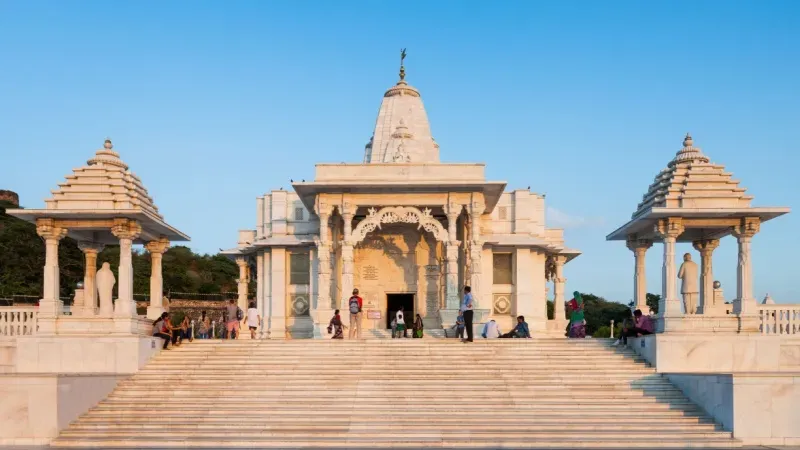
column 690, row 288
column 105, row 289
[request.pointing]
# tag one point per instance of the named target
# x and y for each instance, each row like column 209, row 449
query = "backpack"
column 354, row 309
column 239, row 314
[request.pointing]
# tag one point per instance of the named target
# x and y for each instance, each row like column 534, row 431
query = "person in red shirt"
column 354, row 305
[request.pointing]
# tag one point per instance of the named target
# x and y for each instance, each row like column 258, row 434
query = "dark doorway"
column 394, row 302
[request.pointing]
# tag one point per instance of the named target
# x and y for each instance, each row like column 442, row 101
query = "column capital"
column 635, row 244
column 89, row 247
column 747, row 228
column 126, row 228
column 705, row 245
column 241, row 261
column 477, row 208
column 453, row 209
column 671, row 227
column 348, row 209
column 323, row 209
column 48, row 229
column 559, row 259
column 158, row 246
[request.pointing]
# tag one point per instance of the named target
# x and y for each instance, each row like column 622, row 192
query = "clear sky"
column 214, row 103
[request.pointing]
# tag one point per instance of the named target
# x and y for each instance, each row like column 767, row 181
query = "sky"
column 215, row 103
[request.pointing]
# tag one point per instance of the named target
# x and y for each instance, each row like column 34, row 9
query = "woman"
column 205, row 326
column 336, row 326
column 253, row 319
column 417, row 331
column 577, row 323
column 186, row 330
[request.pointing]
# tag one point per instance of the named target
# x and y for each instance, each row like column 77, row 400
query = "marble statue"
column 690, row 287
column 105, row 289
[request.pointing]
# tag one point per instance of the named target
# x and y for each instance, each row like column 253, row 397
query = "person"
column 490, row 330
column 577, row 322
column 336, row 325
column 393, row 326
column 205, row 326
column 400, row 326
column 466, row 309
column 175, row 331
column 519, row 331
column 186, row 330
column 642, row 325
column 459, row 326
column 417, row 331
column 355, row 304
column 159, row 331
column 233, row 314
column 253, row 319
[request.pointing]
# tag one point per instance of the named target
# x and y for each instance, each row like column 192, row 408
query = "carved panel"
column 298, row 305
column 501, row 303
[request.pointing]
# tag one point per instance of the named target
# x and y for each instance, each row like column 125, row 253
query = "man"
column 232, row 317
column 520, row 331
column 355, row 304
column 491, row 330
column 466, row 308
column 642, row 325
column 400, row 323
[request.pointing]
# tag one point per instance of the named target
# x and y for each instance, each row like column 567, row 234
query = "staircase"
column 411, row 393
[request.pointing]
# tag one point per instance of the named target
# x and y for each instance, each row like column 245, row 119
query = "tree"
column 652, row 302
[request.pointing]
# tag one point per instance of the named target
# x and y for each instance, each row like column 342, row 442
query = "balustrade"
column 18, row 321
column 779, row 319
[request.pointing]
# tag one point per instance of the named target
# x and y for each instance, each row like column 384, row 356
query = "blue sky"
column 214, row 103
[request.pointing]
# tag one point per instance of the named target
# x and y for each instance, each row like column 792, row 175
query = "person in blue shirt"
column 520, row 331
column 466, row 309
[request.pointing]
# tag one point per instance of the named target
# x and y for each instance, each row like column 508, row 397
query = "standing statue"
column 105, row 289
column 689, row 287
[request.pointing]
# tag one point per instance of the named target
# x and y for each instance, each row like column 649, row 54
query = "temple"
column 406, row 230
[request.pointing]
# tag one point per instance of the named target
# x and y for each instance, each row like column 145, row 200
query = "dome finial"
column 687, row 141
column 402, row 68
column 107, row 144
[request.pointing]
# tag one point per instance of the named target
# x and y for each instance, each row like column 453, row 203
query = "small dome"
column 768, row 300
column 107, row 156
column 689, row 153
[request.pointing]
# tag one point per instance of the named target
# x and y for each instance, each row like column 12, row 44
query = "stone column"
column 669, row 230
column 90, row 251
column 260, row 306
column 242, row 282
column 451, row 258
column 126, row 230
column 348, row 212
column 558, row 288
column 50, row 306
column 745, row 303
column 324, row 304
column 476, row 250
column 639, row 248
column 157, row 248
column 706, row 248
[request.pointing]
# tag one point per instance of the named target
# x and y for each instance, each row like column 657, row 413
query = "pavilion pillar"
column 90, row 251
column 745, row 303
column 324, row 305
column 476, row 250
column 558, row 288
column 242, row 283
column 706, row 248
column 157, row 248
column 451, row 258
column 669, row 230
column 639, row 248
column 50, row 306
column 348, row 212
column 126, row 230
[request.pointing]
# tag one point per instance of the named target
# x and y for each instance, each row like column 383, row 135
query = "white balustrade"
column 17, row 320
column 779, row 319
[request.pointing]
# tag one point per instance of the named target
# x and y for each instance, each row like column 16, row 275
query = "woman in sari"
column 336, row 326
column 577, row 323
column 417, row 331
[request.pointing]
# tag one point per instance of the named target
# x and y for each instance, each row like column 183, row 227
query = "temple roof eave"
column 153, row 226
column 643, row 224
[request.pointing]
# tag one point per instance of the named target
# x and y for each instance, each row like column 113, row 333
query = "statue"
column 105, row 289
column 689, row 287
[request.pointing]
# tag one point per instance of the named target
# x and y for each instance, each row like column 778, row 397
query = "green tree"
column 652, row 302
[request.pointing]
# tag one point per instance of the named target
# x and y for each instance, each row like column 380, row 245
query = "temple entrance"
column 394, row 302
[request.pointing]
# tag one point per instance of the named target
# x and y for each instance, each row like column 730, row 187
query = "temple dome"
column 402, row 131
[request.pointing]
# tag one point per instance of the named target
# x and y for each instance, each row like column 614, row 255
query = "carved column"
column 50, row 306
column 706, row 248
column 157, row 248
column 745, row 303
column 348, row 211
column 126, row 230
column 558, row 288
column 451, row 258
column 476, row 250
column 639, row 248
column 324, row 303
column 242, row 282
column 669, row 230
column 90, row 251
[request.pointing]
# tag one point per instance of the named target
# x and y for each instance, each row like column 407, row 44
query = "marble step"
column 331, row 426
column 522, row 394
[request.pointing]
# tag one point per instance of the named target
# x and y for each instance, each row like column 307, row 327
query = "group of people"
column 174, row 334
column 171, row 333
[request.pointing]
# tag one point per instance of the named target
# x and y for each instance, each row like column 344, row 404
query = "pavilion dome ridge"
column 107, row 155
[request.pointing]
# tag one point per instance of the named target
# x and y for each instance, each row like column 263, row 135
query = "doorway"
column 394, row 302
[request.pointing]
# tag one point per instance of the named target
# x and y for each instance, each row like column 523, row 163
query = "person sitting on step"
column 642, row 325
column 520, row 331
column 491, row 330
column 161, row 331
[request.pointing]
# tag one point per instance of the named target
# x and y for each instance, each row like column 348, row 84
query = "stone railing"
column 17, row 320
column 779, row 319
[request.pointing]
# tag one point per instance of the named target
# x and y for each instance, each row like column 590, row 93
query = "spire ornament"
column 689, row 153
column 402, row 68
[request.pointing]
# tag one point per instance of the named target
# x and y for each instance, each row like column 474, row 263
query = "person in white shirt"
column 400, row 318
column 491, row 330
column 253, row 319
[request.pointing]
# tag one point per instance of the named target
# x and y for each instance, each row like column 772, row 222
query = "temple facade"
column 406, row 230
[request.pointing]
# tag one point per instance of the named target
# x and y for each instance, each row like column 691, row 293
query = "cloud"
column 560, row 219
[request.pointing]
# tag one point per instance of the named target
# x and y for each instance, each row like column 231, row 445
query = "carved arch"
column 399, row 214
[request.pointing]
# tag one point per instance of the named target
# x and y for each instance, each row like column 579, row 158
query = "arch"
column 399, row 214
